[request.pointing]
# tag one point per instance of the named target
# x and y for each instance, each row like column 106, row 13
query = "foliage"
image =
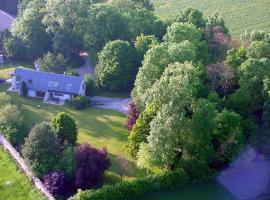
column 71, row 73
column 191, row 15
column 79, row 102
column 140, row 131
column 118, row 65
column 55, row 182
column 235, row 57
column 4, row 99
column 255, row 35
column 143, row 43
column 215, row 20
column 90, row 86
column 132, row 116
column 221, row 78
column 29, row 28
column 137, row 188
column 10, row 115
column 259, row 50
column 102, row 24
column 67, row 161
column 14, row 48
column 179, row 32
column 24, row 90
column 90, row 166
column 41, row 149
column 65, row 127
column 53, row 63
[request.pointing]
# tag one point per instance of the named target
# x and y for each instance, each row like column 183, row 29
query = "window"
column 18, row 78
column 30, row 81
column 53, row 84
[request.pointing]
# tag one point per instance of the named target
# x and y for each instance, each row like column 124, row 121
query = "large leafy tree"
column 118, row 66
column 65, row 127
column 53, row 63
column 259, row 49
column 29, row 28
column 90, row 166
column 41, row 149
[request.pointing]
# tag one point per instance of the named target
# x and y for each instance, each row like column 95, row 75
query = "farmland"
column 239, row 15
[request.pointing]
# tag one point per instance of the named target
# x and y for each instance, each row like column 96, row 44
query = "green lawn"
column 238, row 14
column 100, row 128
column 8, row 68
column 13, row 184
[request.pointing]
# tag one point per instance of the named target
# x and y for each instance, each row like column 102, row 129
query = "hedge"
column 136, row 188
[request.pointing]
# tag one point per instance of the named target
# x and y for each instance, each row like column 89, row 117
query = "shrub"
column 53, row 63
column 259, row 50
column 137, row 188
column 56, row 183
column 90, row 166
column 67, row 161
column 90, row 85
column 65, row 127
column 24, row 89
column 71, row 73
column 79, row 103
column 132, row 116
column 4, row 99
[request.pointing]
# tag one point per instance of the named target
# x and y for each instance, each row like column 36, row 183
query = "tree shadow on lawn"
column 120, row 165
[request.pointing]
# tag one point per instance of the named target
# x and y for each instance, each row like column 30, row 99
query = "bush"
column 137, row 188
column 90, row 85
column 24, row 89
column 79, row 103
column 53, row 63
column 4, row 99
column 65, row 127
column 56, row 183
column 71, row 73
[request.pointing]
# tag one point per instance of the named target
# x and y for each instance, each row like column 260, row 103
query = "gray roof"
column 45, row 81
column 5, row 20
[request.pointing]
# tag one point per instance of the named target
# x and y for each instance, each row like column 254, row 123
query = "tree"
column 90, row 166
column 235, row 57
column 179, row 32
column 41, row 149
column 10, row 115
column 53, row 63
column 221, row 78
column 255, row 35
column 132, row 116
column 215, row 20
column 103, row 24
column 56, row 183
column 29, row 28
column 140, row 131
column 24, row 90
column 14, row 48
column 259, row 50
column 191, row 15
column 65, row 127
column 143, row 43
column 118, row 66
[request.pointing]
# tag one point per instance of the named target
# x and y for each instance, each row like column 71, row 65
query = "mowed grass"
column 7, row 68
column 13, row 184
column 100, row 128
column 239, row 15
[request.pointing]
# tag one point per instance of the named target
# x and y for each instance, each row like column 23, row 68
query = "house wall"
column 31, row 93
column 82, row 89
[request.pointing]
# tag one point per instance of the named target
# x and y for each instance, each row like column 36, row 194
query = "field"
column 13, row 184
column 239, row 15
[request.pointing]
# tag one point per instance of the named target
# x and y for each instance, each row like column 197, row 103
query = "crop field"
column 239, row 15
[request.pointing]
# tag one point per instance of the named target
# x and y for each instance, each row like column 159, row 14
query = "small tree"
column 65, row 127
column 24, row 89
column 259, row 50
column 132, row 116
column 67, row 161
column 41, row 149
column 90, row 85
column 53, row 63
column 4, row 99
column 90, row 166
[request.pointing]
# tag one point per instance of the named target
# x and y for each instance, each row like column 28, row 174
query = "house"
column 49, row 86
column 6, row 21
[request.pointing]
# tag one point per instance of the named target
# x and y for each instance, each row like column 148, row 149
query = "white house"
column 6, row 21
column 49, row 86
